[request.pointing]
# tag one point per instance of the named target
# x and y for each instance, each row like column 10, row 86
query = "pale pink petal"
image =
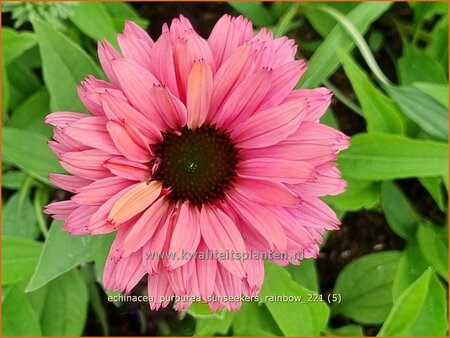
column 180, row 278
column 185, row 236
column 227, row 35
column 101, row 190
column 229, row 285
column 206, row 272
column 78, row 221
column 88, row 93
column 199, row 92
column 61, row 210
column 131, row 143
column 286, row 171
column 221, row 234
column 159, row 289
column 86, row 164
column 63, row 119
column 91, row 131
column 165, row 110
column 266, row 192
column 107, row 54
column 318, row 100
column 135, row 200
column 128, row 169
column 68, row 182
column 136, row 44
column 255, row 277
column 270, row 126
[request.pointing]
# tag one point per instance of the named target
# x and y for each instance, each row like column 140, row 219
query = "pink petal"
column 91, row 131
column 128, row 169
column 270, row 126
column 143, row 230
column 107, row 54
column 100, row 191
column 120, row 111
column 276, row 169
column 244, row 99
column 318, row 100
column 257, row 217
column 77, row 222
column 60, row 210
column 185, row 236
column 227, row 35
column 180, row 278
column 266, row 192
column 255, row 277
column 206, row 272
column 63, row 119
column 87, row 163
column 89, row 91
column 135, row 200
column 199, row 91
column 165, row 110
column 221, row 234
column 229, row 285
column 130, row 142
column 68, row 182
column 136, row 44
column 159, row 289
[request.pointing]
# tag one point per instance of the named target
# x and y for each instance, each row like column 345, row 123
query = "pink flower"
column 201, row 148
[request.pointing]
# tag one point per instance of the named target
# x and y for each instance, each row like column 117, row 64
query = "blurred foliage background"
column 384, row 273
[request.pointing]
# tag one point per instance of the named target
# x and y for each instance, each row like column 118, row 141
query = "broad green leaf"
column 412, row 264
column 18, row 316
column 365, row 286
column 5, row 92
column 324, row 61
column 438, row 47
column 305, row 274
column 384, row 157
column 347, row 330
column 202, row 310
column 421, row 108
column 434, row 187
column 379, row 110
column 255, row 11
column 14, row 43
column 31, row 114
column 412, row 64
column 94, row 20
column 122, row 11
column 19, row 258
column 18, row 218
column 323, row 23
column 436, row 90
column 254, row 319
column 424, row 299
column 399, row 213
column 31, row 58
column 23, row 83
column 61, row 253
column 433, row 242
column 64, row 64
column 29, row 152
column 296, row 318
column 65, row 308
column 14, row 179
column 214, row 326
column 358, row 195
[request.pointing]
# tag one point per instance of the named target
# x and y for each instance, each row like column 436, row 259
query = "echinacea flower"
column 194, row 147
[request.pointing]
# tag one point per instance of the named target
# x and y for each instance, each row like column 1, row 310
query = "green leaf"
column 36, row 160
column 94, row 20
column 15, row 44
column 379, row 110
column 18, row 316
column 65, row 307
column 31, row 114
column 383, row 157
column 399, row 213
column 323, row 23
column 424, row 299
column 23, row 83
column 421, row 108
column 438, row 47
column 14, row 179
column 18, row 218
column 434, row 187
column 365, row 286
column 65, row 64
column 213, row 325
column 122, row 11
column 433, row 242
column 254, row 319
column 5, row 92
column 347, row 330
column 19, row 258
column 359, row 195
column 305, row 274
column 436, row 90
column 61, row 253
column 297, row 318
column 324, row 61
column 412, row 64
column 255, row 11
column 412, row 264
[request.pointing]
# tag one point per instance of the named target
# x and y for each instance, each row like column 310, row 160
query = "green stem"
column 38, row 202
column 286, row 20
